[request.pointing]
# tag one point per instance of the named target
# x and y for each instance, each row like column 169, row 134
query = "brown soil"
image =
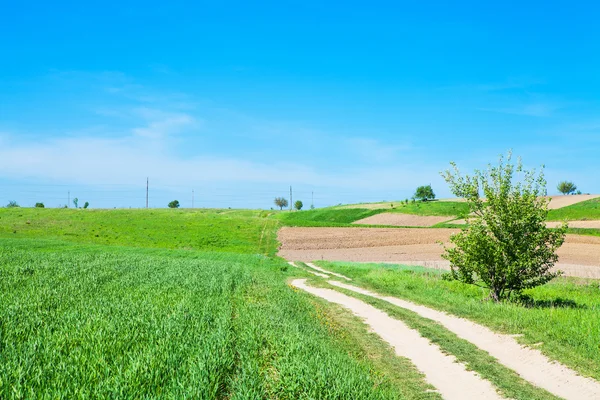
column 396, row 219
column 576, row 224
column 579, row 256
column 564, row 201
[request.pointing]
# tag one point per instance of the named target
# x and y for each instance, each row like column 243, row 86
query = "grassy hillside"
column 240, row 231
column 586, row 210
column 344, row 215
column 325, row 217
column 563, row 314
column 93, row 305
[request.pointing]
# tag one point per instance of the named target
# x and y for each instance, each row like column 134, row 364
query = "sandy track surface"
column 579, row 256
column 565, row 201
column 449, row 377
column 575, row 224
column 396, row 219
column 529, row 363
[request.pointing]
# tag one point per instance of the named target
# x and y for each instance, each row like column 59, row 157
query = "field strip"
column 529, row 363
column 293, row 264
column 449, row 377
column 313, row 266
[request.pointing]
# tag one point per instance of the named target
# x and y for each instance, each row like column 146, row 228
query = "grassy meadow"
column 92, row 305
column 561, row 317
column 586, row 210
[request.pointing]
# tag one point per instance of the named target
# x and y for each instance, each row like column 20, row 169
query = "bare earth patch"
column 575, row 224
column 449, row 377
column 579, row 256
column 564, row 201
column 396, row 219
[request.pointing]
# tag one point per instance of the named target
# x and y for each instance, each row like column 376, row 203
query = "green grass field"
column 240, row 231
column 344, row 216
column 120, row 315
column 563, row 314
column 586, row 210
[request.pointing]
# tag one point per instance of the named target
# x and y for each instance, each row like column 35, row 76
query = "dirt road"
column 449, row 377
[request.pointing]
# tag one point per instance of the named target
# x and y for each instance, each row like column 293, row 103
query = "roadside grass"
column 241, row 231
column 103, row 321
column 510, row 384
column 562, row 315
column 362, row 344
column 586, row 210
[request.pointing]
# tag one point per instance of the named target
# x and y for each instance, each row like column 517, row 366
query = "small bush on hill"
column 174, row 204
column 424, row 193
column 39, row 205
column 281, row 202
column 566, row 187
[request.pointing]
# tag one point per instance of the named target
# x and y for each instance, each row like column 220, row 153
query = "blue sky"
column 354, row 101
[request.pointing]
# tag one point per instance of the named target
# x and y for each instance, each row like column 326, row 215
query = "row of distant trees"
column 423, row 193
column 12, row 204
column 282, row 202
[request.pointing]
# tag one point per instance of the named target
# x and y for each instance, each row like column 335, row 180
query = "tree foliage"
column 76, row 202
column 506, row 247
column 566, row 187
column 281, row 202
column 86, row 205
column 12, row 204
column 298, row 205
column 174, row 204
column 40, row 205
column 424, row 193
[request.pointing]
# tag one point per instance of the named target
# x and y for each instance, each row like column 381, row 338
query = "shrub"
column 86, row 205
column 12, row 204
column 298, row 205
column 174, row 204
column 40, row 205
column 506, row 247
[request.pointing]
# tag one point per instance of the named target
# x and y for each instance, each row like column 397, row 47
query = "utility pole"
column 147, row 184
column 192, row 198
column 69, row 199
column 291, row 199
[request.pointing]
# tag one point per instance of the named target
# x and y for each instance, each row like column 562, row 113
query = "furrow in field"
column 449, row 377
column 529, row 363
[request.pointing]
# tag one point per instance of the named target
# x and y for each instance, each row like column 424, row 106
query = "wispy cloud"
column 160, row 124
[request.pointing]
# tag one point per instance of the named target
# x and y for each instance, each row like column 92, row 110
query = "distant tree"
column 312, row 206
column 86, row 205
column 298, row 205
column 424, row 193
column 75, row 202
column 12, row 204
column 506, row 247
column 566, row 187
column 578, row 192
column 174, row 204
column 281, row 202
column 39, row 205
